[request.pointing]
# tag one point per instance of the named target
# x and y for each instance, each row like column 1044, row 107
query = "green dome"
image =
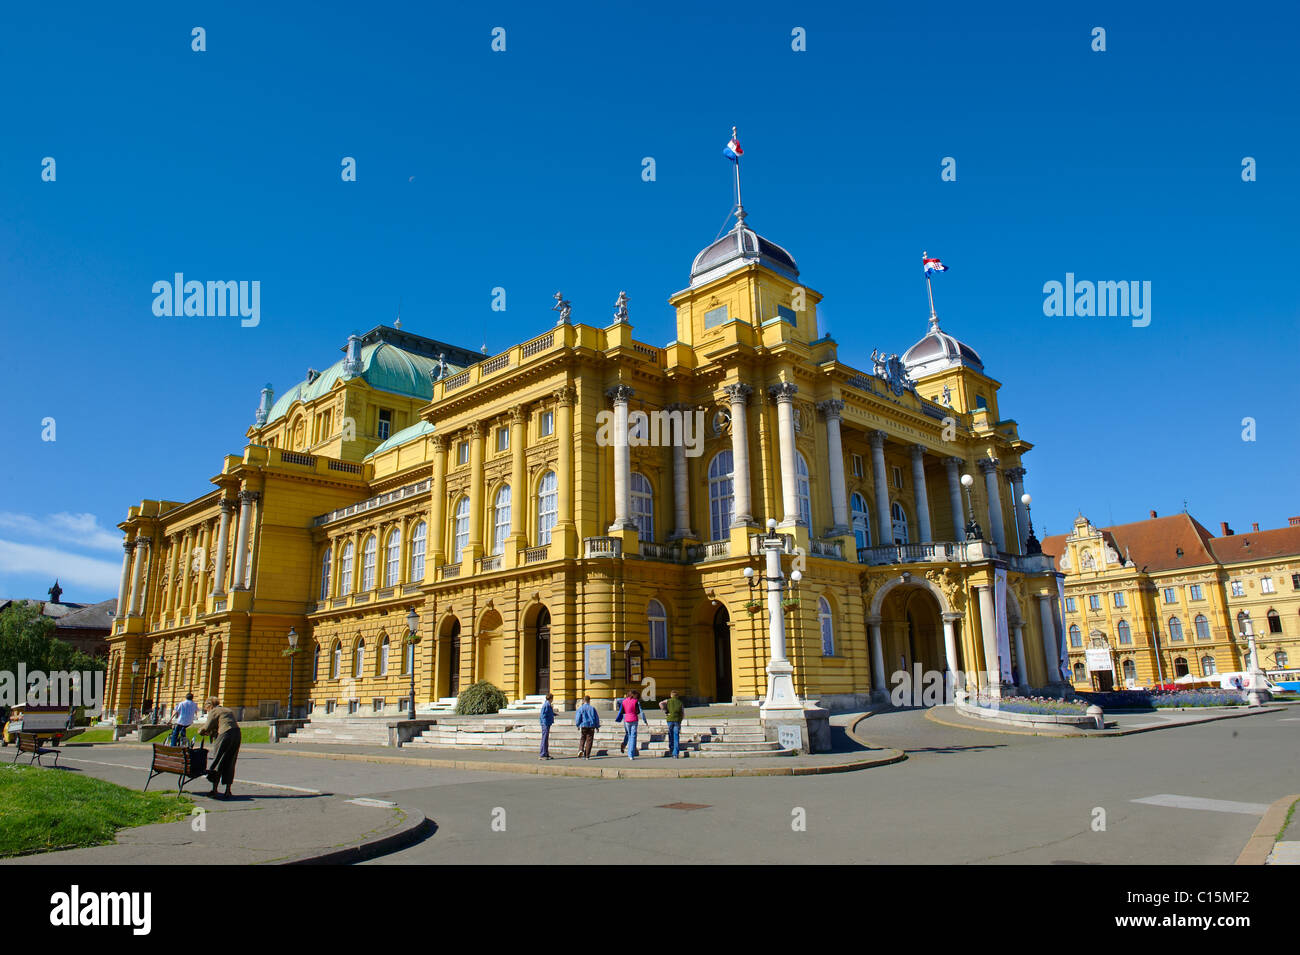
column 384, row 367
column 404, row 436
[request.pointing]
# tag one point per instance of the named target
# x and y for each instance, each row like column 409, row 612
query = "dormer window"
column 385, row 423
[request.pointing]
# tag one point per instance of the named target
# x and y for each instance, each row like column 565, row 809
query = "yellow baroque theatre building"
column 481, row 493
column 1165, row 598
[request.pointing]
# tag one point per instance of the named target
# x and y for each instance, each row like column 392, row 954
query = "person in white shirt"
column 182, row 717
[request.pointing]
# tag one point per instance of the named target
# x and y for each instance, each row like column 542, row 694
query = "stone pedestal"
column 810, row 724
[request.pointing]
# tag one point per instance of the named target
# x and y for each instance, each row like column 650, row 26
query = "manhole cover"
column 684, row 806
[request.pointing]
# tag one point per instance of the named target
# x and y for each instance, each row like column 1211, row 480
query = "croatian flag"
column 732, row 150
column 933, row 265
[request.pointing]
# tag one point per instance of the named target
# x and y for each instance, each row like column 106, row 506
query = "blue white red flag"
column 933, row 265
column 732, row 150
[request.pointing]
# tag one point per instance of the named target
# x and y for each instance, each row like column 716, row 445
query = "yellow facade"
column 521, row 538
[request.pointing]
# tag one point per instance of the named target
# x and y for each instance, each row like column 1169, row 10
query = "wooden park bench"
column 30, row 743
column 187, row 762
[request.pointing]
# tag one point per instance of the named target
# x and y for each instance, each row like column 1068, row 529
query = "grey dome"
column 735, row 250
column 939, row 351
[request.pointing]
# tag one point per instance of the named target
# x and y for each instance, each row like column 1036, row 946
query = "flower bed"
column 1161, row 699
column 1027, row 711
column 1034, row 704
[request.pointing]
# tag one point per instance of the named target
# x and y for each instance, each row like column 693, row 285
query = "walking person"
column 674, row 710
column 547, row 717
column 631, row 712
column 588, row 721
column 222, row 727
column 182, row 717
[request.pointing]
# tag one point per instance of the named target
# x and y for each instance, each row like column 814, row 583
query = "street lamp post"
column 780, row 674
column 292, row 652
column 1255, row 691
column 412, row 638
column 1032, row 546
column 130, row 706
column 973, row 532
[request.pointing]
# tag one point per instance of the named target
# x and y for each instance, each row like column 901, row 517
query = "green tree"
column 27, row 637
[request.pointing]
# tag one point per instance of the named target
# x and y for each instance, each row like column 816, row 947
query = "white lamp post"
column 1255, row 689
column 781, row 698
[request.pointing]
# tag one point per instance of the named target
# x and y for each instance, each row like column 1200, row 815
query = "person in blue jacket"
column 547, row 717
column 588, row 721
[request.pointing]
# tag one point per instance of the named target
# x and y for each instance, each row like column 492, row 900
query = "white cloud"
column 82, row 530
column 89, row 572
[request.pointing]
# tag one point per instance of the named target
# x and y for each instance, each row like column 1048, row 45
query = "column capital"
column 440, row 443
column 250, row 497
column 877, row 439
column 475, row 429
column 144, row 540
column 953, row 617
column 620, row 394
column 738, row 393
column 918, row 450
column 988, row 464
column 954, row 462
column 518, row 414
column 564, row 395
column 1016, row 473
column 227, row 504
column 784, row 392
column 831, row 408
column 128, row 545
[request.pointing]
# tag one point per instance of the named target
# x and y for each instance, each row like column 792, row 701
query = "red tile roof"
column 1153, row 543
column 1257, row 545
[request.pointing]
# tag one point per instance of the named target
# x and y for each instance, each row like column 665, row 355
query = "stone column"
column 188, row 542
column 832, row 410
column 878, row 685
column 434, row 553
column 784, row 394
column 518, row 476
column 738, row 395
column 1051, row 651
column 137, row 589
column 223, row 544
column 954, row 496
column 475, row 549
column 1017, row 476
column 1022, row 662
column 621, row 394
column 564, row 431
column 883, row 518
column 246, row 500
column 990, row 468
column 989, row 633
column 681, row 479
column 124, row 588
column 922, row 496
column 950, row 621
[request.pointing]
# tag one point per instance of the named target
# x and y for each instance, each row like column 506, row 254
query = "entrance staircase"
column 349, row 731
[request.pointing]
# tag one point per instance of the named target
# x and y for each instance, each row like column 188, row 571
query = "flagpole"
column 928, row 288
column 740, row 207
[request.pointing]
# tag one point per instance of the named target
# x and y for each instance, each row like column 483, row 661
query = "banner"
column 1059, row 624
column 1004, row 632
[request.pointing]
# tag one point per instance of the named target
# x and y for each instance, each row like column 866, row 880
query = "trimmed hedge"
column 480, row 699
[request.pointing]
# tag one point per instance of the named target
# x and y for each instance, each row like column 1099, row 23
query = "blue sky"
column 522, row 170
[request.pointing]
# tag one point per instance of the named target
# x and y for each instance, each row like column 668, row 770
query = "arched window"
column 336, row 664
column 460, row 536
column 1130, row 671
column 1175, row 630
column 548, row 507
column 368, row 563
column 643, row 506
column 501, row 519
column 1208, row 666
column 325, row 574
column 393, row 558
column 801, row 490
column 315, row 662
column 1280, row 659
column 1274, row 622
column 1241, row 621
column 345, row 570
column 1180, row 666
column 861, row 522
column 722, row 500
column 900, row 522
column 383, row 657
column 1202, row 627
column 1080, row 674
column 827, row 623
column 1076, row 635
column 359, row 659
column 417, row 553
column 658, row 630
column 1125, row 634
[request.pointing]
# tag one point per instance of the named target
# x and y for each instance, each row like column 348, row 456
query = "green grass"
column 42, row 810
column 247, row 734
column 93, row 736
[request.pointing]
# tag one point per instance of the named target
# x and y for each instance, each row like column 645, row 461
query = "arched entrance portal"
column 534, row 666
column 722, row 655
column 449, row 664
column 911, row 629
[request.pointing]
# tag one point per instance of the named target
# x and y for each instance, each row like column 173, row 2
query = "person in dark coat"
column 222, row 727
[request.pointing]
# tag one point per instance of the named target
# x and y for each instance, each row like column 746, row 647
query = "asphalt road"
column 962, row 797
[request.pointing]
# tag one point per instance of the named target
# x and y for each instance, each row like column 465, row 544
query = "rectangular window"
column 898, row 478
column 857, row 471
column 385, row 423
column 503, row 439
column 715, row 316
column 377, row 704
column 1266, row 585
column 1094, row 601
column 353, row 706
column 1237, row 589
column 1194, row 592
column 786, row 314
column 1119, row 599
column 547, row 423
column 1069, row 605
column 329, row 706
column 1295, row 581
column 1170, row 597
column 462, row 453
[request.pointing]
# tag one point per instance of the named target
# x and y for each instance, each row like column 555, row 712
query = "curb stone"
column 1270, row 827
column 413, row 828
column 1102, row 734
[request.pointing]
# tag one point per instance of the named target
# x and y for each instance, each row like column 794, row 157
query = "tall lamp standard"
column 780, row 674
column 1032, row 546
column 973, row 532
column 157, row 688
column 130, row 706
column 412, row 638
column 291, row 653
column 1256, row 691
